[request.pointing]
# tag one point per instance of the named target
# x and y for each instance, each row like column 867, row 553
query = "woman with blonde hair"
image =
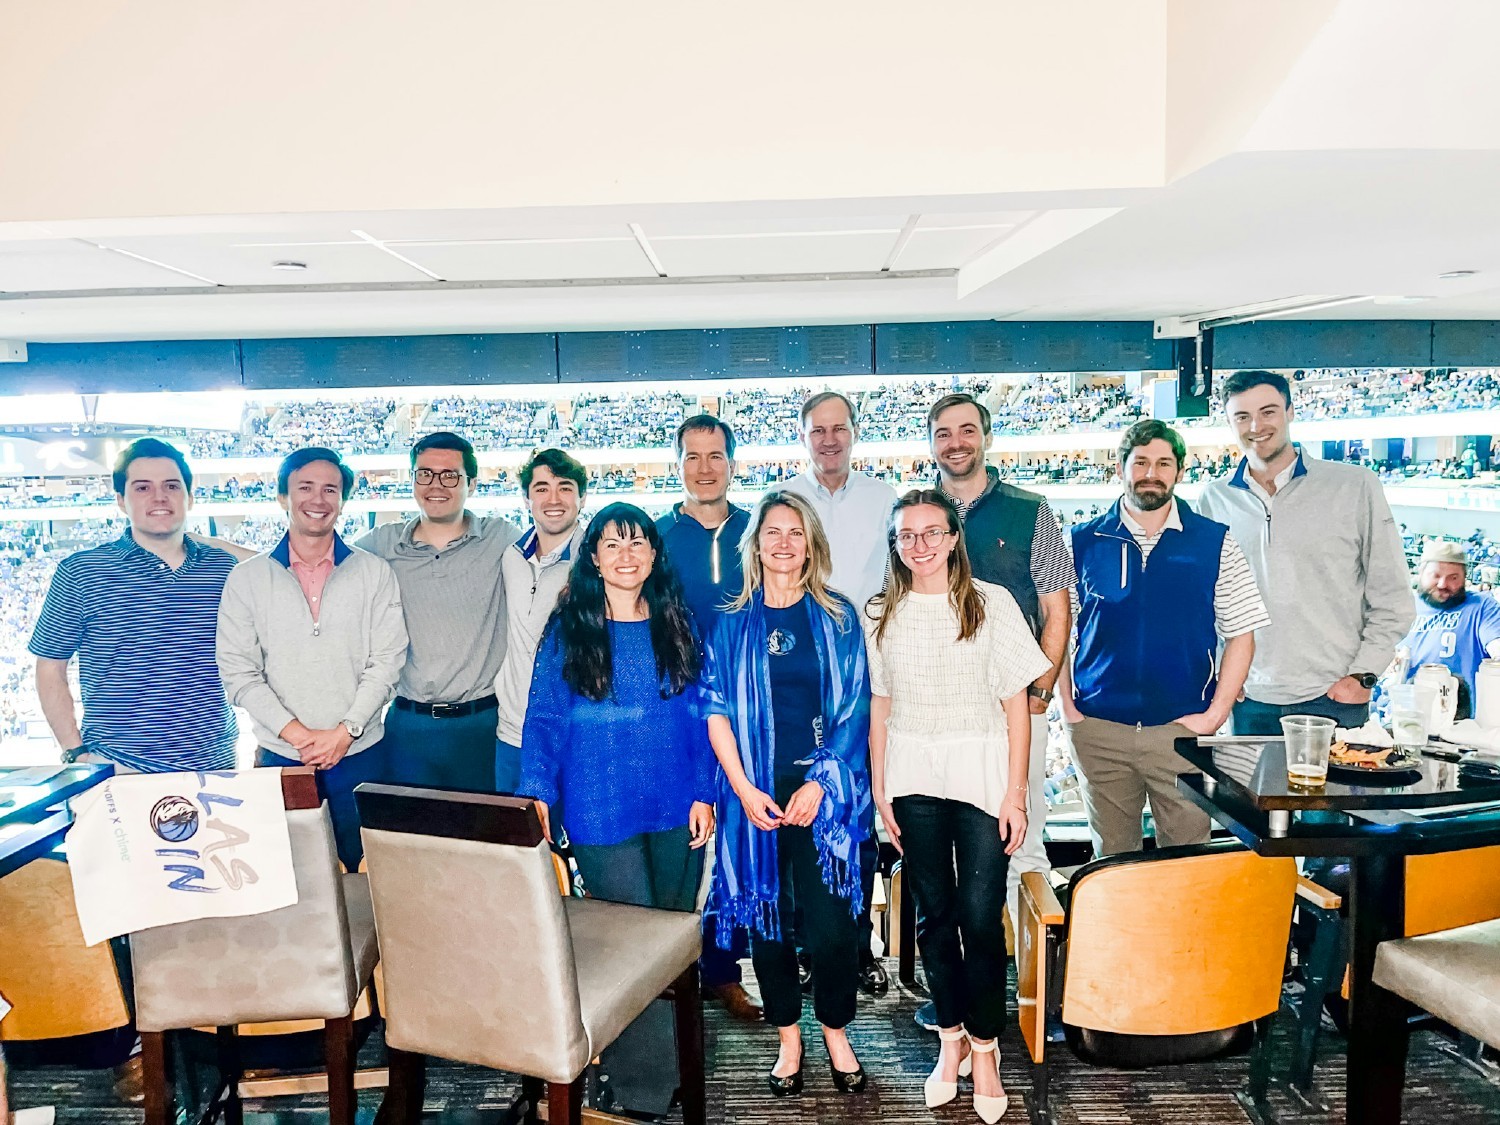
column 950, row 741
column 788, row 712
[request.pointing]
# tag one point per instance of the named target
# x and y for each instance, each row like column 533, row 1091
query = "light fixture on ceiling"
column 1183, row 327
column 1400, row 300
column 288, row 265
column 1455, row 275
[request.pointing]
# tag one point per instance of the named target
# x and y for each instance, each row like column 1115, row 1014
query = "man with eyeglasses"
column 440, row 729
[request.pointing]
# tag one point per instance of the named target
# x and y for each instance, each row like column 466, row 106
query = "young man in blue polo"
column 140, row 615
column 1160, row 588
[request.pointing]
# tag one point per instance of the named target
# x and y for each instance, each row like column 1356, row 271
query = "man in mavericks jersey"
column 1453, row 628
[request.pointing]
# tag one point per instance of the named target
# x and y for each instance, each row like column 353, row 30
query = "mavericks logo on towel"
column 152, row 849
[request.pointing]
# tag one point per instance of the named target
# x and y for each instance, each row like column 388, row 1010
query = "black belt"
column 448, row 710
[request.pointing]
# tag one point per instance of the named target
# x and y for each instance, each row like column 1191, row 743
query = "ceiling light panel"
column 531, row 260
column 65, row 264
column 826, row 252
column 232, row 260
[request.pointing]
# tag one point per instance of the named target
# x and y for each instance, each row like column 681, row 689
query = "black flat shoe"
column 789, row 1086
column 848, row 1082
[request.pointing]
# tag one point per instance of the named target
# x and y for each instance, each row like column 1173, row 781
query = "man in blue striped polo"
column 140, row 615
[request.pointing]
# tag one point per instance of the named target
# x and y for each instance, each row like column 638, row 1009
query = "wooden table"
column 34, row 810
column 1243, row 785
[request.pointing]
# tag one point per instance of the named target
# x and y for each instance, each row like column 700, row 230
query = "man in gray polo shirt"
column 447, row 562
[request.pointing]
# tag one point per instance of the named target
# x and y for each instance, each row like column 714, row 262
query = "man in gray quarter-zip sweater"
column 311, row 642
column 1327, row 555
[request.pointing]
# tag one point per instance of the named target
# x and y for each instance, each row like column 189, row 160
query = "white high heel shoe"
column 935, row 1090
column 990, row 1109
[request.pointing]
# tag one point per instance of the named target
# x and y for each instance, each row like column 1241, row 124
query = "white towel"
column 1470, row 733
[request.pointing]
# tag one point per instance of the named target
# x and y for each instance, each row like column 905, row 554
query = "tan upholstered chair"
column 59, row 986
column 1160, row 957
column 1453, row 974
column 307, row 961
column 485, row 963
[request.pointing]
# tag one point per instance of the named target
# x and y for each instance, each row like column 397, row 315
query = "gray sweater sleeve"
column 242, row 659
column 1389, row 606
column 388, row 640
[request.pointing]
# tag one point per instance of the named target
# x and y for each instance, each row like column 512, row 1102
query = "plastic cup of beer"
column 1308, row 738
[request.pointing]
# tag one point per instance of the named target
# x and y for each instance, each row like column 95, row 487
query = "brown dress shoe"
column 737, row 1003
column 130, row 1081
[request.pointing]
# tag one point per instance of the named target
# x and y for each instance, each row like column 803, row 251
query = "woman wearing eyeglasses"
column 950, row 740
column 788, row 705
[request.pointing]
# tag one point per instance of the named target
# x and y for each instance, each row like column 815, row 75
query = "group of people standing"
column 778, row 681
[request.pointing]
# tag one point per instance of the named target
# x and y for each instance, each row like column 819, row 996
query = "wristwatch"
column 356, row 730
column 1366, row 680
column 1039, row 693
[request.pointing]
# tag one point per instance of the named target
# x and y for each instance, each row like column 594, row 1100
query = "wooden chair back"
column 59, row 986
column 1177, row 943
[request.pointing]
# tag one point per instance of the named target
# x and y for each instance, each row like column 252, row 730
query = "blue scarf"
column 737, row 679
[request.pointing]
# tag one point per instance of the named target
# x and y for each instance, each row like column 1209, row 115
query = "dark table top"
column 1244, row 787
column 1255, row 770
column 34, row 814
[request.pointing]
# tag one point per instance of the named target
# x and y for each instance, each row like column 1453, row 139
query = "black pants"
column 657, row 869
column 829, row 931
column 960, row 913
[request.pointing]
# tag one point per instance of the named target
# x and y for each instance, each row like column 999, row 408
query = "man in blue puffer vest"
column 1159, row 588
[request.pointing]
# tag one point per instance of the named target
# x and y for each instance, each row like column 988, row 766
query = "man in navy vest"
column 1159, row 588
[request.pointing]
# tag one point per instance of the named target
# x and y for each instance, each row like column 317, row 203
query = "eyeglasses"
column 932, row 537
column 448, row 478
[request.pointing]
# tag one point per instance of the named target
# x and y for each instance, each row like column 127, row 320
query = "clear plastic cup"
column 1411, row 712
column 1308, row 738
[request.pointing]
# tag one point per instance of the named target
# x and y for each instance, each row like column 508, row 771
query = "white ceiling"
column 1250, row 227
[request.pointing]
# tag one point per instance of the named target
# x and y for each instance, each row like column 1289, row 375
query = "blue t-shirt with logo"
column 796, row 691
column 1455, row 638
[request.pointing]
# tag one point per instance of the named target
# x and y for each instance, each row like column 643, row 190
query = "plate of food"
column 1361, row 762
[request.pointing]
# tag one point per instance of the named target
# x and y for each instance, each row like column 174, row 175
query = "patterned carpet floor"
column 897, row 1055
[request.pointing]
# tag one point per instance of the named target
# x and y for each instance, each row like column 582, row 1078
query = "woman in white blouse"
column 950, row 738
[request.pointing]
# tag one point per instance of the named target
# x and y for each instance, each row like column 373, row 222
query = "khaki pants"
column 1122, row 766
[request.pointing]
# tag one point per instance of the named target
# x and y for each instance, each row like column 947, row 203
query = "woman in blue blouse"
column 789, row 718
column 615, row 749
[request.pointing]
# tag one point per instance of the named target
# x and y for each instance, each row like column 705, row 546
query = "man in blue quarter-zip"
column 1327, row 554
column 1159, row 588
column 312, row 640
column 702, row 537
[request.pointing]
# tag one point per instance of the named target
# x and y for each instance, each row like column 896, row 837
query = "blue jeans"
column 1254, row 718
column 456, row 753
column 507, row 767
column 336, row 786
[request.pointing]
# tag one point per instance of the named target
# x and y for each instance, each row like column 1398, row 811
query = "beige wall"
column 183, row 107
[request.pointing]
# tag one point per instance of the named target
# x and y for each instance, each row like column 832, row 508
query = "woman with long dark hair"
column 950, row 741
column 615, row 749
column 789, row 720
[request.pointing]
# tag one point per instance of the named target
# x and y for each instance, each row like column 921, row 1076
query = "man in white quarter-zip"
column 1160, row 589
column 312, row 640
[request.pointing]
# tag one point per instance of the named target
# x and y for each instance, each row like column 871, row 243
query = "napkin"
column 1371, row 734
column 1470, row 733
